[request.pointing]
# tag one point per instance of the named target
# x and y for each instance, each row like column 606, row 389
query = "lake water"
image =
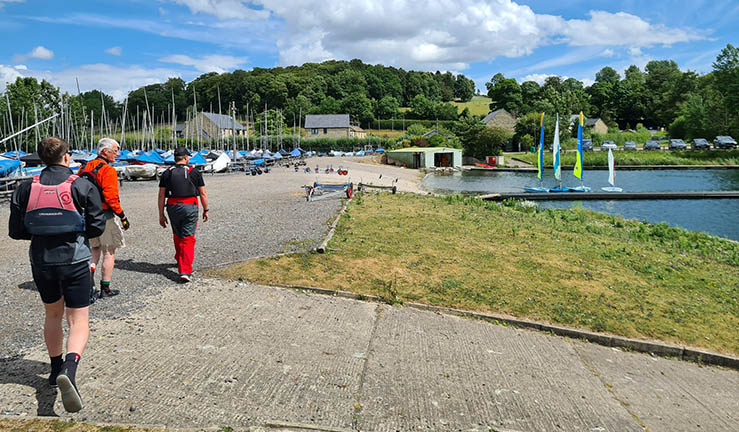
column 716, row 216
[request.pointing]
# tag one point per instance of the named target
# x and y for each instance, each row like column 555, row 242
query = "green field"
column 479, row 105
column 625, row 158
column 573, row 267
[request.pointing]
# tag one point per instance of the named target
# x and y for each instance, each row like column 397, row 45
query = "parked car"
column 724, row 142
column 587, row 145
column 651, row 145
column 630, row 145
column 677, row 144
column 608, row 145
column 700, row 143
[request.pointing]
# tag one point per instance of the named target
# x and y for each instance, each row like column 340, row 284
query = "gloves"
column 125, row 223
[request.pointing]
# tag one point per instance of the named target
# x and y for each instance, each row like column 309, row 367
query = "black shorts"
column 69, row 281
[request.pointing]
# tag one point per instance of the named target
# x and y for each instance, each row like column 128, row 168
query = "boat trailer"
column 318, row 191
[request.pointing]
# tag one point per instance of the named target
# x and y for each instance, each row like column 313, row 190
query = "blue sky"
column 117, row 46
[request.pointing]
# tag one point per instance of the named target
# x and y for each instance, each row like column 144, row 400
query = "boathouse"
column 425, row 157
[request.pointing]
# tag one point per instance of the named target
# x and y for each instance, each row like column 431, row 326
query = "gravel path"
column 250, row 216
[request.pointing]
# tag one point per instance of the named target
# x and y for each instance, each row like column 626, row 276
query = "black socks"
column 56, row 367
column 70, row 365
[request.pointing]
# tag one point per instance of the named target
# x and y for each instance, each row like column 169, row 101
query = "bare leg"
column 79, row 329
column 96, row 252
column 53, row 333
column 108, row 263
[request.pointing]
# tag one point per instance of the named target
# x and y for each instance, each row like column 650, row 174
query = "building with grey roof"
column 213, row 126
column 331, row 126
column 502, row 119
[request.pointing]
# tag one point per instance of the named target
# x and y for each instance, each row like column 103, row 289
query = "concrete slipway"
column 276, row 358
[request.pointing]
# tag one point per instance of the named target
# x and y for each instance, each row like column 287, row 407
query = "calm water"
column 718, row 217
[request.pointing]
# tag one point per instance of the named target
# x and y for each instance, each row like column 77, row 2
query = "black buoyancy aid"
column 91, row 175
column 51, row 210
column 180, row 184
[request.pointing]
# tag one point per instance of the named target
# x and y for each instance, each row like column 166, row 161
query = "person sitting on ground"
column 104, row 176
column 180, row 186
column 59, row 212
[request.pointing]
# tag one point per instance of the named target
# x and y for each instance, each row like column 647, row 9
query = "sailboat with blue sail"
column 577, row 171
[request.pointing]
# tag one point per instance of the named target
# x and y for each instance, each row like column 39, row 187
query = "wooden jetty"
column 611, row 196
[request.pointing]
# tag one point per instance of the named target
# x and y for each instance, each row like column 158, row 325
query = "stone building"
column 502, row 119
column 331, row 126
column 212, row 126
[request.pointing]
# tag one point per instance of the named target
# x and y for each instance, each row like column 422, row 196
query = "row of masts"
column 143, row 130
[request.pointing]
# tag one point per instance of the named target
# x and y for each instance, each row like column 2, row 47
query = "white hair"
column 106, row 143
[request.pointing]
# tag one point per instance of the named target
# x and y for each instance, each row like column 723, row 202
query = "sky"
column 117, row 46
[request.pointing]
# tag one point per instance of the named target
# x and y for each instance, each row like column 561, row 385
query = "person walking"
column 59, row 212
column 104, row 176
column 180, row 186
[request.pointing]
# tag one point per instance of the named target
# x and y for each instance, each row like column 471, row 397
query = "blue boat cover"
column 150, row 157
column 14, row 154
column 7, row 167
column 198, row 159
column 296, row 152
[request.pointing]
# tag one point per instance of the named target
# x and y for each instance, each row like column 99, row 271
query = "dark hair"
column 180, row 158
column 51, row 150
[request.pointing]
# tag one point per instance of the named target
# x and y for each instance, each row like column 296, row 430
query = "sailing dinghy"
column 611, row 174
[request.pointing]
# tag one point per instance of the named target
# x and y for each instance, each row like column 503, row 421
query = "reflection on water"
column 718, row 217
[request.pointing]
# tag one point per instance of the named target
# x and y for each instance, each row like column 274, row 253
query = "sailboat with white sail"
column 611, row 174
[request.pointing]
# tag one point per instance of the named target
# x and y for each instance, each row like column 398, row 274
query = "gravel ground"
column 250, row 216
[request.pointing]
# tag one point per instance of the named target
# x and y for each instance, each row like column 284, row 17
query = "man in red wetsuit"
column 181, row 186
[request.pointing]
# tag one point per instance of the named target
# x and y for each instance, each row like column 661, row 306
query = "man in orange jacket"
column 103, row 175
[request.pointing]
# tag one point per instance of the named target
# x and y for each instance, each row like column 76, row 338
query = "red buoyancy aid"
column 51, row 211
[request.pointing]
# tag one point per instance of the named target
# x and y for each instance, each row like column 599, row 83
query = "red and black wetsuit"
column 181, row 185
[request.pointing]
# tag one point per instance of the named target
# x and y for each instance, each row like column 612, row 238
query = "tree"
column 479, row 140
column 464, row 88
column 387, row 107
column 359, row 108
column 505, row 94
column 422, row 107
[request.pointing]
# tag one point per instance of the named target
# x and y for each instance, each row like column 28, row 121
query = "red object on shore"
column 482, row 165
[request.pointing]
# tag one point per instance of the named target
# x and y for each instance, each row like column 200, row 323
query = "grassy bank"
column 50, row 425
column 479, row 105
column 664, row 157
column 573, row 267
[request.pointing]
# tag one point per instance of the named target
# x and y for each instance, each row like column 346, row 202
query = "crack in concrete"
column 610, row 390
column 357, row 409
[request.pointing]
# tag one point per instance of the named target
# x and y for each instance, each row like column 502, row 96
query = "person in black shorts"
column 59, row 212
column 181, row 186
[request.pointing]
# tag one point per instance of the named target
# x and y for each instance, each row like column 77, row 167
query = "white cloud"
column 607, row 53
column 224, row 9
column 619, row 29
column 8, row 74
column 538, row 78
column 115, row 81
column 635, row 51
column 209, row 63
column 21, row 67
column 116, row 51
column 2, row 2
column 39, row 52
